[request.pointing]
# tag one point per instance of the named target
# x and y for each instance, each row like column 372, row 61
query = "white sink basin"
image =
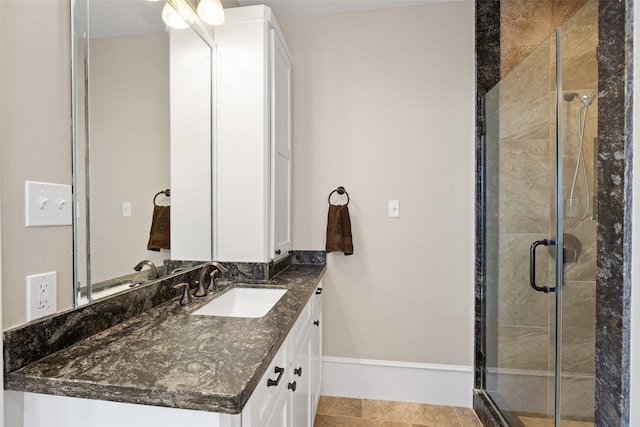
column 242, row 302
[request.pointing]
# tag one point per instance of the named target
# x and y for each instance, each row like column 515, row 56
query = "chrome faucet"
column 201, row 292
column 152, row 266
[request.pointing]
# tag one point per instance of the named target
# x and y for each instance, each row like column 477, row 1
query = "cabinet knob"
column 318, row 291
column 278, row 252
column 298, row 371
column 292, row 386
column 316, row 322
column 278, row 370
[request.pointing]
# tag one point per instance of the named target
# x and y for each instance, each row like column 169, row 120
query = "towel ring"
column 166, row 192
column 340, row 190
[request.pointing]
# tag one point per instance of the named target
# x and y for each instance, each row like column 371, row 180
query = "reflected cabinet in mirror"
column 143, row 124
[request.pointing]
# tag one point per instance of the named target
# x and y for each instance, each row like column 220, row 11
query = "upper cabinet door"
column 253, row 129
column 281, row 139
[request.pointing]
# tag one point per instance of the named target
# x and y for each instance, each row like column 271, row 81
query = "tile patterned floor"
column 347, row 412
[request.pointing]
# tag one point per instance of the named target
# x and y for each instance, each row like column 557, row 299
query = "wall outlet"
column 41, row 295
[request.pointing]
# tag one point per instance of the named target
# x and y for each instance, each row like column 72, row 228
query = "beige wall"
column 35, row 111
column 384, row 105
column 129, row 148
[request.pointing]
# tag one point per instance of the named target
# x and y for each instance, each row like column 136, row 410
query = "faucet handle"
column 201, row 291
column 186, row 296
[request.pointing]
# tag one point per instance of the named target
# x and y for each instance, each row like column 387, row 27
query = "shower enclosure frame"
column 613, row 281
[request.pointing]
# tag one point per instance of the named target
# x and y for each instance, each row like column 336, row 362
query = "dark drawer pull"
column 278, row 252
column 275, row 382
column 316, row 322
column 298, row 371
column 318, row 291
column 292, row 386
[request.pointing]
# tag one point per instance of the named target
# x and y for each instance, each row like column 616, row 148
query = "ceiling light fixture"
column 211, row 11
column 172, row 18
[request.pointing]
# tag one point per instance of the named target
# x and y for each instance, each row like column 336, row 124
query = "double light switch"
column 47, row 204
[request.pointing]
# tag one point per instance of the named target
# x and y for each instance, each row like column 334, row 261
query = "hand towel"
column 339, row 237
column 160, row 234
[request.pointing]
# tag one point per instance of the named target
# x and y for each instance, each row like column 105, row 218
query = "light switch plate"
column 41, row 295
column 394, row 208
column 47, row 204
column 126, row 209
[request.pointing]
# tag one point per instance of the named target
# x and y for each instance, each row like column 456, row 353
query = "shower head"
column 584, row 99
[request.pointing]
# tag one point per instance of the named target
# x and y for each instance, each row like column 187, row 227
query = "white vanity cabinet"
column 289, row 397
column 253, row 137
column 275, row 402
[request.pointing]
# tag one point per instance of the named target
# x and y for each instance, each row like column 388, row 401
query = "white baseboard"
column 397, row 381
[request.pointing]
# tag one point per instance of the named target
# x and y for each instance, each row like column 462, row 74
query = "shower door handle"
column 532, row 265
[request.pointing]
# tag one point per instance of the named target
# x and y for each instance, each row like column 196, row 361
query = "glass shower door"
column 520, row 144
column 540, row 151
column 579, row 121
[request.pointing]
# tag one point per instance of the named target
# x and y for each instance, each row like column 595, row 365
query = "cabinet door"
column 299, row 387
column 280, row 146
column 270, row 398
column 316, row 356
column 279, row 414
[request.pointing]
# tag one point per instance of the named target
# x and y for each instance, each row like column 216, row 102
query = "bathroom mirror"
column 142, row 106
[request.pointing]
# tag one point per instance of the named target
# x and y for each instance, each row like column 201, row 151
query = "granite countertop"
column 166, row 357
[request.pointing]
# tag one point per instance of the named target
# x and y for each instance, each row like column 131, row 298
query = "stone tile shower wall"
column 525, row 329
column 525, row 24
column 615, row 131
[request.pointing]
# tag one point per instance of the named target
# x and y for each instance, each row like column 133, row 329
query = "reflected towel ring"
column 340, row 190
column 166, row 192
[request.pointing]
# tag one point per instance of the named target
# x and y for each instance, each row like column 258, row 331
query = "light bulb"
column 173, row 18
column 211, row 11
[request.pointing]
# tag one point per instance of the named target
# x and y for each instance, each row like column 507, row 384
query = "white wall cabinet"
column 288, row 393
column 253, row 137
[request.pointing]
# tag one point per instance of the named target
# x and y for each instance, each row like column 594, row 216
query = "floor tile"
column 340, row 406
column 382, row 410
column 348, row 412
column 331, row 421
column 467, row 417
column 435, row 415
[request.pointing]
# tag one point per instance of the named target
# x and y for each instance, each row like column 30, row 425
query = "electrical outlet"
column 41, row 295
